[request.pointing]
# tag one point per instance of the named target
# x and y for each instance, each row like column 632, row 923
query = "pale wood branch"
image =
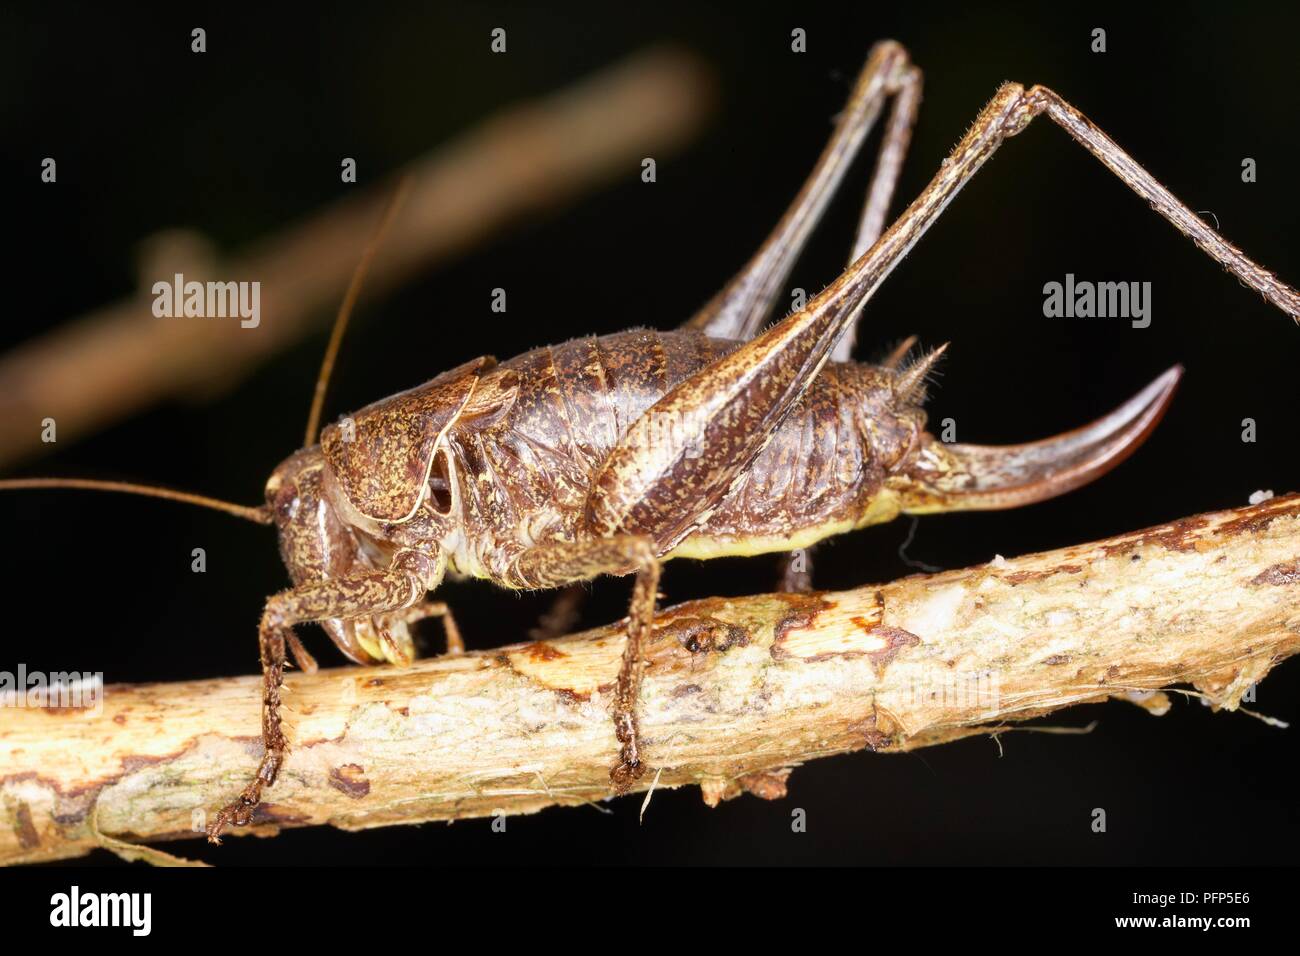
column 532, row 156
column 736, row 691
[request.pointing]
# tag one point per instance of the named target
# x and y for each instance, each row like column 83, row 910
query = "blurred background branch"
column 533, row 156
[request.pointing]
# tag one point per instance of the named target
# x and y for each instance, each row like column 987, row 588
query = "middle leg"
column 455, row 643
column 560, row 563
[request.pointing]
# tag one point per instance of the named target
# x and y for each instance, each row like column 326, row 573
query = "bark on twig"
column 120, row 359
column 736, row 692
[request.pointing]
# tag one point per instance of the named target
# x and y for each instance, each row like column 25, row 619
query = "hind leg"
column 743, row 305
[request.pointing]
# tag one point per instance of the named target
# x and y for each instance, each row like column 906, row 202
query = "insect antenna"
column 257, row 514
column 260, row 515
column 345, row 311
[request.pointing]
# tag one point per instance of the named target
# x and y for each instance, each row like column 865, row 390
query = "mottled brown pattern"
column 350, row 778
column 606, row 455
column 767, row 784
column 541, row 651
column 525, row 479
column 25, row 829
column 895, row 640
column 1253, row 524
column 1286, row 573
column 382, row 461
column 804, row 609
column 877, row 730
column 703, row 635
column 1179, row 535
column 1024, row 577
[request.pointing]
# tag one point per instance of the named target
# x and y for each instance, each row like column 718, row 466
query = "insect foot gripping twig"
column 627, row 696
column 399, row 588
column 733, row 687
column 240, row 812
column 558, row 563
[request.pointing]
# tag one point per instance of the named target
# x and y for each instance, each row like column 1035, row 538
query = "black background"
column 247, row 137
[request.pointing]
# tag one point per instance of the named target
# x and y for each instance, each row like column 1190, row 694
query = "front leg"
column 401, row 586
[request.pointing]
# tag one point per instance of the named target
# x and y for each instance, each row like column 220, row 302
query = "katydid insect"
column 612, row 454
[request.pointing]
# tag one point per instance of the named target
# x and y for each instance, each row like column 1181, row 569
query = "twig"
column 118, row 360
column 737, row 691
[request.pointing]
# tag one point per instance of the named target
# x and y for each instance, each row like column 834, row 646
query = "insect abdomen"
column 823, row 472
column 574, row 402
column 528, row 476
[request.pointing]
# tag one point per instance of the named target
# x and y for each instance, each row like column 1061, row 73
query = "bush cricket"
column 612, row 454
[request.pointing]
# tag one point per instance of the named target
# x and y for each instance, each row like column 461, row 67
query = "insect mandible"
column 612, row 454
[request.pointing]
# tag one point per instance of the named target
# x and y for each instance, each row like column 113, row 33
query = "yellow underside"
column 885, row 506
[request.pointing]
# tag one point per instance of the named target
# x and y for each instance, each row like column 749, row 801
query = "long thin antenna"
column 261, row 515
column 345, row 311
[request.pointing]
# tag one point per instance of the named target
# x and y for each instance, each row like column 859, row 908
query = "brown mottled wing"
column 682, row 455
column 382, row 454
